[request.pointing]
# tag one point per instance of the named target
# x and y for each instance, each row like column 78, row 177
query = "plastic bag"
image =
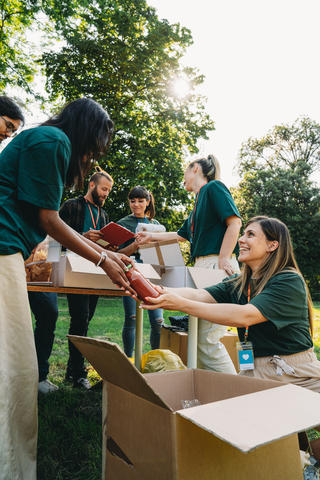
column 160, row 361
column 36, row 266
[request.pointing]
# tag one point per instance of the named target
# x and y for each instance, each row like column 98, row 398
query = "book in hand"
column 114, row 235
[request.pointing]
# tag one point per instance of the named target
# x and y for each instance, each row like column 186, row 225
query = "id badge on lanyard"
column 245, row 348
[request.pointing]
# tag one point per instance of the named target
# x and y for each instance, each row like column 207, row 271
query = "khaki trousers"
column 212, row 354
column 18, row 375
column 305, row 369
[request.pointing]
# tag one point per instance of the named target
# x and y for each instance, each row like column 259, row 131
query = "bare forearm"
column 130, row 249
column 230, row 239
column 222, row 314
column 69, row 238
column 198, row 295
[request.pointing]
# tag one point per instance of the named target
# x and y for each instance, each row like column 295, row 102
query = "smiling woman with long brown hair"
column 268, row 302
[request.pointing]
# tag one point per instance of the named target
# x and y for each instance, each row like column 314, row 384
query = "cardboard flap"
column 205, row 277
column 79, row 264
column 113, row 366
column 147, row 270
column 162, row 253
column 256, row 419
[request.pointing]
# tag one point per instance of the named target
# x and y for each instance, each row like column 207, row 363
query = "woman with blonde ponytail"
column 268, row 302
column 212, row 229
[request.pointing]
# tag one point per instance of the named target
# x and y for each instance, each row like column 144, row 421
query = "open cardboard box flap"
column 194, row 277
column 252, row 420
column 244, row 412
column 113, row 366
column 203, row 277
column 81, row 265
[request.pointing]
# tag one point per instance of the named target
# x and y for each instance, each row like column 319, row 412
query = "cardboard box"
column 244, row 429
column 193, row 277
column 162, row 253
column 230, row 340
column 177, row 342
column 75, row 271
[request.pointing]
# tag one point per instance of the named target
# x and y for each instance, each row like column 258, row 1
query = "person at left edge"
column 11, row 118
column 85, row 215
column 34, row 168
column 43, row 305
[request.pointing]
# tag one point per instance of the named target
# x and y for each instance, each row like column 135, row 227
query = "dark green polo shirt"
column 130, row 222
column 33, row 170
column 213, row 205
column 283, row 302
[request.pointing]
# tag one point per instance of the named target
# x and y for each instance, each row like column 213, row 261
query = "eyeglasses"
column 10, row 128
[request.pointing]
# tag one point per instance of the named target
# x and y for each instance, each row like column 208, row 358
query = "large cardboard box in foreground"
column 75, row 271
column 244, row 429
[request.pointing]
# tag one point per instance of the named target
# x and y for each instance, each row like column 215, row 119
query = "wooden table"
column 100, row 292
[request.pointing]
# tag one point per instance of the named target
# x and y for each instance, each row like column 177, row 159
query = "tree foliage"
column 123, row 56
column 285, row 146
column 276, row 182
column 16, row 60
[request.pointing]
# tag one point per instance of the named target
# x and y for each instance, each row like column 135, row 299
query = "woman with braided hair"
column 212, row 229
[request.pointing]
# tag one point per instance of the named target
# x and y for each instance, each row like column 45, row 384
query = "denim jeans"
column 44, row 307
column 81, row 309
column 129, row 327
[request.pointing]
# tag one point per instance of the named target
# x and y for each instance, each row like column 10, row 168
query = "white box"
column 162, row 253
column 75, row 271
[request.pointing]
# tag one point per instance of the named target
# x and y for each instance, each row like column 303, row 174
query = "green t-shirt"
column 283, row 302
column 88, row 223
column 214, row 204
column 130, row 222
column 33, row 170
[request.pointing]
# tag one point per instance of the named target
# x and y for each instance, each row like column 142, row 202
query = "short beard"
column 95, row 197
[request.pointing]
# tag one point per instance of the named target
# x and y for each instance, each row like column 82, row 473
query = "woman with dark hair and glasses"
column 141, row 203
column 11, row 118
column 212, row 229
column 268, row 302
column 34, row 169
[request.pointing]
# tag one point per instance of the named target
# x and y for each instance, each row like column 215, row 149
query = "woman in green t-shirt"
column 34, row 168
column 141, row 203
column 268, row 302
column 212, row 229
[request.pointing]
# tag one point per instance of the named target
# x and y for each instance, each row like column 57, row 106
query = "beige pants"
column 18, row 375
column 304, row 371
column 212, row 354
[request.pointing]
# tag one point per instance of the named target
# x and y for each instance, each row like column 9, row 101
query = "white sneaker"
column 47, row 387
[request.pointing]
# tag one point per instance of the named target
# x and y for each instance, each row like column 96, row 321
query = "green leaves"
column 275, row 181
column 124, row 57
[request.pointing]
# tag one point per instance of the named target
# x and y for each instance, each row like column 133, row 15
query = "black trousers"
column 81, row 309
column 44, row 307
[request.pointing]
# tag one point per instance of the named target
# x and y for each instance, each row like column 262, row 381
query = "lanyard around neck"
column 247, row 328
column 94, row 223
column 194, row 209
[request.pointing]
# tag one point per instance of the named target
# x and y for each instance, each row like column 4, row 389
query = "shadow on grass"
column 69, row 442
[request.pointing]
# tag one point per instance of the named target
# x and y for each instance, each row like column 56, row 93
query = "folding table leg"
column 139, row 336
column 192, row 341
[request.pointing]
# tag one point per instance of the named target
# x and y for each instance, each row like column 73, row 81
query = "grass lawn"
column 69, row 446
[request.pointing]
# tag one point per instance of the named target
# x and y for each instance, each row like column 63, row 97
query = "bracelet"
column 103, row 256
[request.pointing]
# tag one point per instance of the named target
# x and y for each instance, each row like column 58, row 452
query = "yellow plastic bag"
column 160, row 361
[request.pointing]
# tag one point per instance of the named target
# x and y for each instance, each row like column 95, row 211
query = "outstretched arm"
column 113, row 264
column 222, row 313
column 146, row 237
